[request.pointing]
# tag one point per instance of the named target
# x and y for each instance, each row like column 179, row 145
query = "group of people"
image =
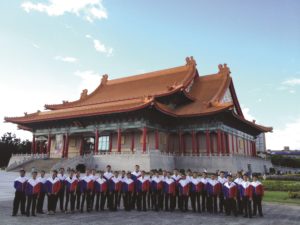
column 157, row 190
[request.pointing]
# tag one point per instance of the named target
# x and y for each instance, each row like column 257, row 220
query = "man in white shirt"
column 222, row 180
column 42, row 179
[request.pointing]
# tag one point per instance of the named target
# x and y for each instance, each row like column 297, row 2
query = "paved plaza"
column 274, row 214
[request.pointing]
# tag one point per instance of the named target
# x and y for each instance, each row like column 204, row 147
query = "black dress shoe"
column 13, row 214
column 33, row 214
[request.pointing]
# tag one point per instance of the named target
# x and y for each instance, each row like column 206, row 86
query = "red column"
column 227, row 144
column 244, row 141
column 183, row 144
column 193, row 142
column 132, row 141
column 219, row 142
column 110, row 142
column 198, row 142
column 156, row 140
column 207, row 142
column 224, row 150
column 168, row 143
column 232, row 144
column 180, row 142
column 66, row 146
column 33, row 144
column 254, row 148
column 96, row 143
column 119, row 140
column 212, row 146
column 144, row 139
column 81, row 146
column 237, row 144
column 48, row 144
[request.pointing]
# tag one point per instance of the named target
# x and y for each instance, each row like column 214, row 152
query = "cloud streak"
column 292, row 82
column 66, row 59
column 90, row 10
column 100, row 47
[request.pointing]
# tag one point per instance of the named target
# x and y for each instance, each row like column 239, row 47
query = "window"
column 103, row 143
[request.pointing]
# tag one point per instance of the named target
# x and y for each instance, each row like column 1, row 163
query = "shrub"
column 279, row 185
column 294, row 195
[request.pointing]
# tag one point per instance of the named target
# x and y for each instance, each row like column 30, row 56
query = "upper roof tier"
column 202, row 95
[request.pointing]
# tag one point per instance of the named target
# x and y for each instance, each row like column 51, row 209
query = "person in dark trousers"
column 222, row 180
column 94, row 177
column 238, row 181
column 156, row 187
column 114, row 191
column 122, row 179
column 213, row 191
column 100, row 186
column 204, row 181
column 230, row 190
column 195, row 192
column 41, row 197
column 169, row 189
column 142, row 189
column 108, row 175
column 32, row 190
column 176, row 177
column 78, row 190
column 127, row 190
column 86, row 191
column 20, row 198
column 258, row 193
column 134, row 176
column 61, row 195
column 246, row 193
column 71, row 183
column 53, row 186
column 183, row 191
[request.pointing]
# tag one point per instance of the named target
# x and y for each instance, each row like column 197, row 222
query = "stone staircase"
column 87, row 160
column 38, row 164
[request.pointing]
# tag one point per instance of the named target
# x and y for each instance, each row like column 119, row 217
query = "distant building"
column 286, row 152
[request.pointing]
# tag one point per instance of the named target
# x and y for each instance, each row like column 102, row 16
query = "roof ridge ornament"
column 83, row 94
column 190, row 61
column 104, row 79
column 224, row 69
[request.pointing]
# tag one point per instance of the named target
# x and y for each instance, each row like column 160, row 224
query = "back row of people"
column 138, row 190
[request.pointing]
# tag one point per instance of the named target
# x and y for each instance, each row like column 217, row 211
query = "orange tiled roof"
column 141, row 91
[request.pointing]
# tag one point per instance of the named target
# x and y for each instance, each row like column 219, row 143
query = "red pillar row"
column 144, row 139
column 119, row 139
column 254, row 148
column 207, row 142
column 212, row 148
column 66, row 146
column 223, row 143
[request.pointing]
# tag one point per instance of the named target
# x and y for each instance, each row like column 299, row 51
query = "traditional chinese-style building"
column 163, row 119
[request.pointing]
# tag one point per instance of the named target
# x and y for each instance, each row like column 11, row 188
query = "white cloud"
column 292, row 82
column 247, row 114
column 66, row 59
column 90, row 10
column 286, row 136
column 100, row 47
column 35, row 45
column 89, row 80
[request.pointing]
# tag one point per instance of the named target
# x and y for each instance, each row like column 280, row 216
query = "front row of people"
column 157, row 191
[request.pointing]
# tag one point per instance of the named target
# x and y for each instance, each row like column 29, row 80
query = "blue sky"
column 52, row 49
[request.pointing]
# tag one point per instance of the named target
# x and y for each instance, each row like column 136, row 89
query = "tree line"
column 11, row 144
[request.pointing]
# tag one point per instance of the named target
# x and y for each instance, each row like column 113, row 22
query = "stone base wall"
column 155, row 160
